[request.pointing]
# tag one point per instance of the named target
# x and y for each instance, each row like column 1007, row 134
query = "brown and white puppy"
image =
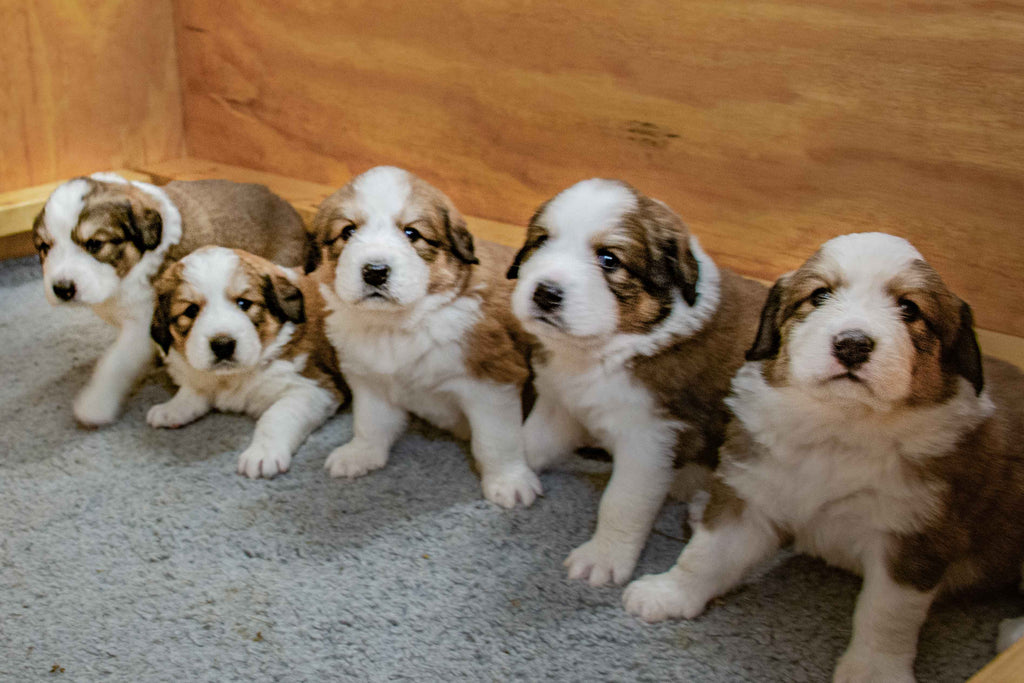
column 244, row 335
column 102, row 240
column 420, row 321
column 639, row 336
column 869, row 432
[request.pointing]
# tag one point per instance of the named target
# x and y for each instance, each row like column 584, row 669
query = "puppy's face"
column 602, row 259
column 866, row 319
column 89, row 236
column 394, row 238
column 225, row 310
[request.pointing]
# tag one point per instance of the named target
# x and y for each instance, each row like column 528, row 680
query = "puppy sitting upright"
column 639, row 335
column 244, row 335
column 103, row 239
column 862, row 433
column 421, row 328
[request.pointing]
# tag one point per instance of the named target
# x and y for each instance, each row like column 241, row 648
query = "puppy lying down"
column 244, row 335
column 869, row 432
column 421, row 325
column 102, row 240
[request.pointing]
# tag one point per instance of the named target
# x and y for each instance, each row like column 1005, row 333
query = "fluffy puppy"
column 639, row 333
column 242, row 334
column 421, row 326
column 869, row 432
column 102, row 240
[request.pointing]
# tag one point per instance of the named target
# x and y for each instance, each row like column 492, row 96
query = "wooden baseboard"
column 1007, row 667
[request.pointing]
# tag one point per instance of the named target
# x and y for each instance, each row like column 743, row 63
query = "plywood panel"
column 87, row 85
column 770, row 125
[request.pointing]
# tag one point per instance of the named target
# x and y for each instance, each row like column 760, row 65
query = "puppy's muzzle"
column 223, row 347
column 376, row 274
column 852, row 347
column 64, row 290
column 548, row 297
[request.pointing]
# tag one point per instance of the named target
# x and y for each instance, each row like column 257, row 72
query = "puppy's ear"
column 313, row 253
column 159, row 327
column 768, row 339
column 144, row 227
column 283, row 299
column 459, row 236
column 669, row 240
column 513, row 270
column 962, row 354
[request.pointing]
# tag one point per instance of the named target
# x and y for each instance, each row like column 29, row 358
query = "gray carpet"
column 133, row 554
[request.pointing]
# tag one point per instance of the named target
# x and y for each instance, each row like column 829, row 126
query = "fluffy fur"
column 639, row 332
column 421, row 326
column 102, row 240
column 244, row 335
column 885, row 457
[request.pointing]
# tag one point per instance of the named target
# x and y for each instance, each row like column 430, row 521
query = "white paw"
column 672, row 595
column 516, row 485
column 599, row 562
column 1010, row 631
column 355, row 459
column 171, row 415
column 96, row 407
column 873, row 667
column 260, row 461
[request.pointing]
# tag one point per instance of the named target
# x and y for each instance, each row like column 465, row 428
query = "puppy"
column 242, row 334
column 639, row 333
column 863, row 433
column 102, row 240
column 421, row 326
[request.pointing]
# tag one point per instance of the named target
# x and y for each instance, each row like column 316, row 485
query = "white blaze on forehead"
column 871, row 256
column 210, row 270
column 64, row 207
column 588, row 207
column 382, row 191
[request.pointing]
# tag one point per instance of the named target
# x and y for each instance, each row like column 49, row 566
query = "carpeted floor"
column 132, row 554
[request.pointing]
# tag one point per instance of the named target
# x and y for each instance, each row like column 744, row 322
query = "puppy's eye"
column 607, row 260
column 413, row 234
column 820, row 296
column 244, row 304
column 347, row 232
column 93, row 246
column 192, row 311
column 909, row 310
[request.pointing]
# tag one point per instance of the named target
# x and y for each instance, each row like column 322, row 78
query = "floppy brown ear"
column 963, row 354
column 677, row 266
column 768, row 339
column 144, row 227
column 313, row 254
column 513, row 270
column 283, row 299
column 459, row 236
column 160, row 325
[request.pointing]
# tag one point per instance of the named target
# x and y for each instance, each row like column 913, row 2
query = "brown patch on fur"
column 977, row 540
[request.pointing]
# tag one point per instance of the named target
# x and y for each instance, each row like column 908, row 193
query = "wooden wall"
column 86, row 85
column 770, row 125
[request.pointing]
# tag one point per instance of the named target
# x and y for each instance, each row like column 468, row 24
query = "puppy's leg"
column 497, row 442
column 550, row 433
column 376, row 424
column 885, row 627
column 115, row 374
column 714, row 561
column 282, row 428
column 641, row 477
column 184, row 407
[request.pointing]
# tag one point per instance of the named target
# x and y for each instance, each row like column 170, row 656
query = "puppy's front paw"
column 599, row 562
column 172, row 414
column 96, row 407
column 673, row 595
column 515, row 485
column 261, row 461
column 355, row 459
column 873, row 667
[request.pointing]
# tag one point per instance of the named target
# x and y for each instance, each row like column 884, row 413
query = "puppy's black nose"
column 375, row 274
column 547, row 296
column 223, row 347
column 64, row 289
column 852, row 347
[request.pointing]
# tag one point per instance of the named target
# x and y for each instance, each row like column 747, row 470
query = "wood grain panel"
column 87, row 85
column 1006, row 668
column 771, row 125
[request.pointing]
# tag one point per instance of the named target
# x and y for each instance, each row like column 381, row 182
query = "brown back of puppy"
column 238, row 216
column 691, row 377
